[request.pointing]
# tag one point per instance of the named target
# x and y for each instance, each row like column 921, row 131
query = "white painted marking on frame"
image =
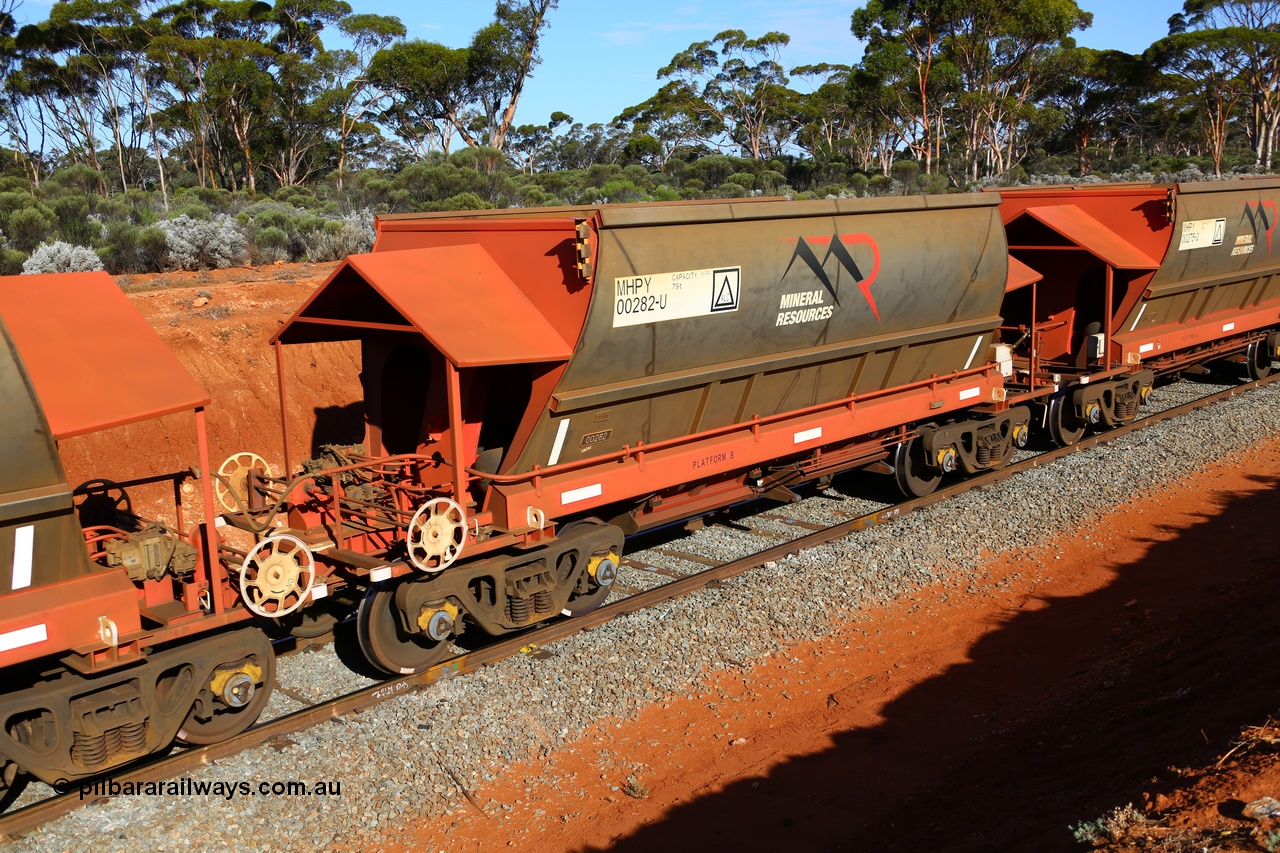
column 319, row 591
column 406, row 670
column 23, row 637
column 1146, row 348
column 574, row 495
column 973, row 353
column 1227, row 327
column 566, row 612
column 219, row 522
column 559, row 445
column 1136, row 320
column 380, row 574
column 970, row 393
column 23, row 542
column 807, row 435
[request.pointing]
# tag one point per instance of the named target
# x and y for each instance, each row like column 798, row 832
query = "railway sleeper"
column 514, row 590
column 66, row 727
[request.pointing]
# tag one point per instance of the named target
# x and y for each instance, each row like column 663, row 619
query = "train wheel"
column 915, row 479
column 385, row 643
column 1257, row 363
column 237, row 692
column 1064, row 427
column 597, row 592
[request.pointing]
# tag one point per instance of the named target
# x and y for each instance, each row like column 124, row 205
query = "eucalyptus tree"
column 301, row 72
column 1210, row 68
column 1096, row 90
column 1002, row 51
column 429, row 84
column 353, row 94
column 904, row 79
column 738, row 84
column 1256, row 28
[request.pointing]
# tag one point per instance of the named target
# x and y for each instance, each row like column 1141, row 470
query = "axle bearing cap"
column 606, row 571
column 440, row 625
column 238, row 690
column 1094, row 413
column 947, row 459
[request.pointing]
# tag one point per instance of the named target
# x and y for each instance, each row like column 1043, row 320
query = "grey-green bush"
column 61, row 257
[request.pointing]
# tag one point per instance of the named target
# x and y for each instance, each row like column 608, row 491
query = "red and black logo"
column 1256, row 211
column 842, row 247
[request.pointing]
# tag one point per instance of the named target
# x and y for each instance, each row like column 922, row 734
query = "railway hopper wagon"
column 1119, row 284
column 538, row 384
column 118, row 632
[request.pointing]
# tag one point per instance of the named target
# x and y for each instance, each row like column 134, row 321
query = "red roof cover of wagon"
column 457, row 297
column 1020, row 275
column 94, row 361
column 1090, row 234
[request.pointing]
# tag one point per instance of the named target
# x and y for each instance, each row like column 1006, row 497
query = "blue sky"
column 599, row 57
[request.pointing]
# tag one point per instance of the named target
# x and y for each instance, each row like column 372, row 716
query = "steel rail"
column 30, row 817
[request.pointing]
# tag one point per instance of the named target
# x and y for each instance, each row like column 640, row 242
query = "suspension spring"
column 518, row 609
column 542, row 601
column 133, row 736
column 89, row 751
column 984, row 454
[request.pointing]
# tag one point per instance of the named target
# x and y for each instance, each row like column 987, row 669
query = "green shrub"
column 463, row 201
column 131, row 249
column 28, row 228
column 193, row 210
column 72, row 213
column 269, row 245
column 11, row 261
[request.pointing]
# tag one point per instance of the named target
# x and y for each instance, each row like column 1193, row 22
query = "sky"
column 600, row 57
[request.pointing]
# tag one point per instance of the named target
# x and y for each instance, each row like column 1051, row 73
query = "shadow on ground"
column 1062, row 713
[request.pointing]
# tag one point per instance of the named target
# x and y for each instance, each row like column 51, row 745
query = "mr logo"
column 725, row 285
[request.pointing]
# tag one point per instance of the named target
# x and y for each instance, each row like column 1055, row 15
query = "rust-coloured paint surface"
column 94, row 361
column 1082, row 229
column 1020, row 275
column 457, row 297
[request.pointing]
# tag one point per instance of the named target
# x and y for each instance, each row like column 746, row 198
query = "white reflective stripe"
column 1141, row 310
column 973, row 353
column 380, row 574
column 219, row 522
column 566, row 612
column 319, row 591
column 23, row 542
column 1227, row 327
column 559, row 445
column 23, row 637
column 575, row 495
column 1146, row 348
column 970, row 393
column 806, row 435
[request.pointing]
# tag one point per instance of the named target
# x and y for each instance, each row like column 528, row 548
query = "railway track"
column 674, row 585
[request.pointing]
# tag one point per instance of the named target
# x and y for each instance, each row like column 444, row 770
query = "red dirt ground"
column 1115, row 669
column 950, row 721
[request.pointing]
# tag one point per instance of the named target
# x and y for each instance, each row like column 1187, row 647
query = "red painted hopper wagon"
column 1125, row 283
column 115, row 630
column 539, row 383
